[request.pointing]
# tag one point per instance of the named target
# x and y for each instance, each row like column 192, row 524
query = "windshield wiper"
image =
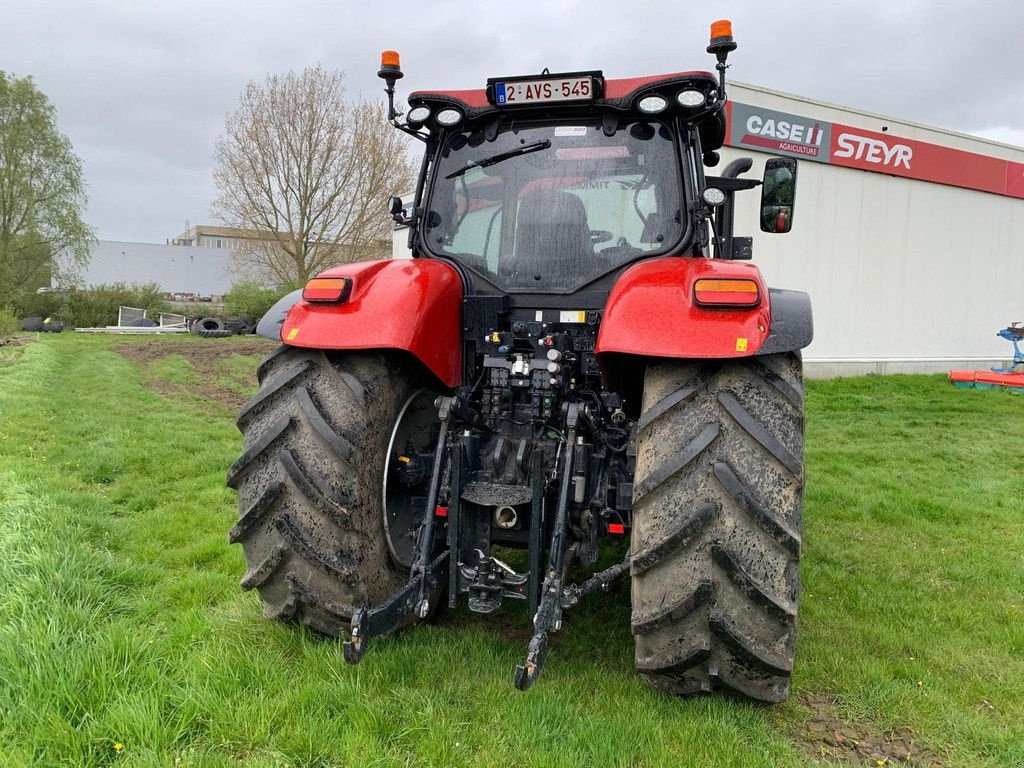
column 494, row 159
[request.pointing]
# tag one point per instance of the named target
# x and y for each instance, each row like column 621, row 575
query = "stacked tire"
column 220, row 328
column 210, row 328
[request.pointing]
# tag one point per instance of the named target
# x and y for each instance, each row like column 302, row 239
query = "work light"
column 449, row 117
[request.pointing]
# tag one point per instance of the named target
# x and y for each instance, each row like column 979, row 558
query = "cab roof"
column 615, row 95
column 618, row 93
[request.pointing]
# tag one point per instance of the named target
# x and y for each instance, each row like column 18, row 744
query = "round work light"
column 652, row 105
column 449, row 117
column 713, row 196
column 690, row 99
column 419, row 114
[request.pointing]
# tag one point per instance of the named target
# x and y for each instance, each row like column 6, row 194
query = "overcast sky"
column 141, row 87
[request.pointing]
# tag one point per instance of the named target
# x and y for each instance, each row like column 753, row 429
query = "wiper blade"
column 494, row 159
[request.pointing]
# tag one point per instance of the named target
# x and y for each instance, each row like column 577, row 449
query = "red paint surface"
column 409, row 304
column 1015, row 380
column 1015, row 179
column 886, row 153
column 625, row 86
column 651, row 311
column 1002, row 379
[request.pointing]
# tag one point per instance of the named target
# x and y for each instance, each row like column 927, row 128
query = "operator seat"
column 552, row 235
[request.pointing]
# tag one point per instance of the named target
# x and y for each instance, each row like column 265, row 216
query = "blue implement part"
column 1013, row 333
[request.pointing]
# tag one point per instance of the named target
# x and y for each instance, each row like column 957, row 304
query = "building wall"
column 176, row 269
column 905, row 275
column 213, row 237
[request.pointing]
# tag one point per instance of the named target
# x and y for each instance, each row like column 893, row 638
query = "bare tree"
column 309, row 172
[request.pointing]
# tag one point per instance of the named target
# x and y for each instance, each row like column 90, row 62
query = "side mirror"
column 397, row 210
column 778, row 192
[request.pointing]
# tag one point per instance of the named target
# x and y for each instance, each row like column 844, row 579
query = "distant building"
column 206, row 236
column 199, row 270
column 235, row 239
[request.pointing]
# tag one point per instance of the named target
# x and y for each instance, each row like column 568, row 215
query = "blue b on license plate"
column 521, row 92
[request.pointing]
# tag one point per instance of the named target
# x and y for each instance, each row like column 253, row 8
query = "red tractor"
column 574, row 361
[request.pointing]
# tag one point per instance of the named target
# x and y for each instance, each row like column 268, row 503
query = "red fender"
column 651, row 311
column 410, row 304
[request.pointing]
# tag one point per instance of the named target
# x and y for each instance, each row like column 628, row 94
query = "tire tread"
column 717, row 525
column 309, row 480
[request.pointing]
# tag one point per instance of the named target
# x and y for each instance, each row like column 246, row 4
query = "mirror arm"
column 728, row 184
column 737, row 167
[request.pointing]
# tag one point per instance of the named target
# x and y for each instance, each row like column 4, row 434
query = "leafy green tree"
column 251, row 300
column 42, row 193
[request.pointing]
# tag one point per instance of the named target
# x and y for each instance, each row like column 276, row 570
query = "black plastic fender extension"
column 269, row 326
column 792, row 322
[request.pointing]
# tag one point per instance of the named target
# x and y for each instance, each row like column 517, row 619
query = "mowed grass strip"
column 124, row 638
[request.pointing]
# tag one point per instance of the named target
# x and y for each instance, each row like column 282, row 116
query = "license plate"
column 520, row 92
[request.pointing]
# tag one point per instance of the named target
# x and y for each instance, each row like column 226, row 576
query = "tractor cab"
column 552, row 183
column 533, row 192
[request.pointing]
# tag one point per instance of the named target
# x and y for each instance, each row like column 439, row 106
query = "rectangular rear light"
column 726, row 292
column 327, row 289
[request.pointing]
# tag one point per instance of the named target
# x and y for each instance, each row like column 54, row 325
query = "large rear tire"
column 311, row 519
column 717, row 525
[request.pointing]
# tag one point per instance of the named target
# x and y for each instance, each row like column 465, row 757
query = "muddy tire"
column 717, row 525
column 221, row 334
column 309, row 484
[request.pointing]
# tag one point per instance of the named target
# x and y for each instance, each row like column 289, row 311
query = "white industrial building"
column 908, row 238
column 176, row 269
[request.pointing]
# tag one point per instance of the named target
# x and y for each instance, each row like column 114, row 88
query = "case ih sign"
column 824, row 142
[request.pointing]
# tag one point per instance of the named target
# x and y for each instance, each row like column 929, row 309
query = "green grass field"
column 125, row 640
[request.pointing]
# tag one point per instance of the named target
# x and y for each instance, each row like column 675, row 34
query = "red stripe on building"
column 886, row 153
column 1014, row 179
column 876, row 152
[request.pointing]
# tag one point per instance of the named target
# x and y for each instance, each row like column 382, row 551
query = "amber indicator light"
column 327, row 289
column 726, row 292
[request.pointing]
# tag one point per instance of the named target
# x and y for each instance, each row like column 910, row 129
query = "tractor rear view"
column 575, row 359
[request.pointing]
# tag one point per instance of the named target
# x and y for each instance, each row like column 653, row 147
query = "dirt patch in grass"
column 17, row 341
column 203, row 359
column 11, row 349
column 825, row 736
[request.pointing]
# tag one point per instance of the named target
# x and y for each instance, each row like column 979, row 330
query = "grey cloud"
column 142, row 87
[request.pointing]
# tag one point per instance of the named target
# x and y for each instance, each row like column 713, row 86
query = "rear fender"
column 792, row 325
column 269, row 326
column 651, row 312
column 414, row 305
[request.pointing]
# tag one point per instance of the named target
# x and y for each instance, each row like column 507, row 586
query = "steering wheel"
column 600, row 236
